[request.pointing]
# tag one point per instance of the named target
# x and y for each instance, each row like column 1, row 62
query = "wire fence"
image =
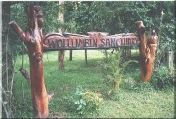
column 10, row 49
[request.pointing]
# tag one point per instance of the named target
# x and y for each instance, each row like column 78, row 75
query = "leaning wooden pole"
column 33, row 39
column 147, row 50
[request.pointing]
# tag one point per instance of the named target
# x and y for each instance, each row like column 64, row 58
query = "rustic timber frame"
column 36, row 42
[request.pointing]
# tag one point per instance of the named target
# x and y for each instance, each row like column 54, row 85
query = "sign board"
column 94, row 40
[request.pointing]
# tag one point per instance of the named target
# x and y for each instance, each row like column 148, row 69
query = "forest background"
column 80, row 17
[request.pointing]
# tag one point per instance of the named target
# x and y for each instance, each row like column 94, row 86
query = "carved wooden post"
column 33, row 39
column 147, row 51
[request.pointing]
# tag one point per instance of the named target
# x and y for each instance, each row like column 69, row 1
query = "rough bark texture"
column 25, row 74
column 147, row 51
column 61, row 59
column 61, row 52
column 33, row 39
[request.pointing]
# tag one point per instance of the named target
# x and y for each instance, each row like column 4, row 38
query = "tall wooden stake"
column 70, row 55
column 147, row 51
column 61, row 52
column 33, row 39
column 86, row 56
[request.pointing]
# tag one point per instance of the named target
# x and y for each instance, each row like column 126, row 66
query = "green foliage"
column 113, row 68
column 21, row 105
column 119, row 16
column 82, row 102
column 113, row 17
column 116, row 16
column 166, row 35
column 50, row 15
column 162, row 78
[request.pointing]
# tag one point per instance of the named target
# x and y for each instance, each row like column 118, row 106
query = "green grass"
column 130, row 102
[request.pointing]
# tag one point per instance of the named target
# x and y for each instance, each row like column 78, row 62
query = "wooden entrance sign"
column 94, row 40
column 36, row 43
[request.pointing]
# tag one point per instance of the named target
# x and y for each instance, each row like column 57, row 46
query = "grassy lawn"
column 140, row 102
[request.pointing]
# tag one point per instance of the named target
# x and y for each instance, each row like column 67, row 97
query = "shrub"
column 114, row 69
column 162, row 78
column 83, row 101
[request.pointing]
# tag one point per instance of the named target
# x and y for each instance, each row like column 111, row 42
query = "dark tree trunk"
column 6, row 57
column 61, row 52
column 7, row 63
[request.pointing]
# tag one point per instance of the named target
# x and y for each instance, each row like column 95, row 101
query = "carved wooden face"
column 35, row 46
column 36, row 8
column 34, row 13
column 39, row 16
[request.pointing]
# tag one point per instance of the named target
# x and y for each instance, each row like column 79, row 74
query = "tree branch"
column 18, row 30
column 25, row 74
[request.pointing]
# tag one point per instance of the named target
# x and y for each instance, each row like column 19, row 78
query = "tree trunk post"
column 86, row 55
column 147, row 50
column 61, row 59
column 170, row 59
column 70, row 55
column 61, row 52
column 33, row 39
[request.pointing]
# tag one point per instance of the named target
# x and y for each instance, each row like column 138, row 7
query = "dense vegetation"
column 81, row 17
column 112, row 17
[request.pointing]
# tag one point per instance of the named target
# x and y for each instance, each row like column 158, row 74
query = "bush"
column 162, row 78
column 83, row 101
column 114, row 68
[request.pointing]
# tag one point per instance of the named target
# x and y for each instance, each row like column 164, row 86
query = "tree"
column 61, row 19
column 7, row 63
